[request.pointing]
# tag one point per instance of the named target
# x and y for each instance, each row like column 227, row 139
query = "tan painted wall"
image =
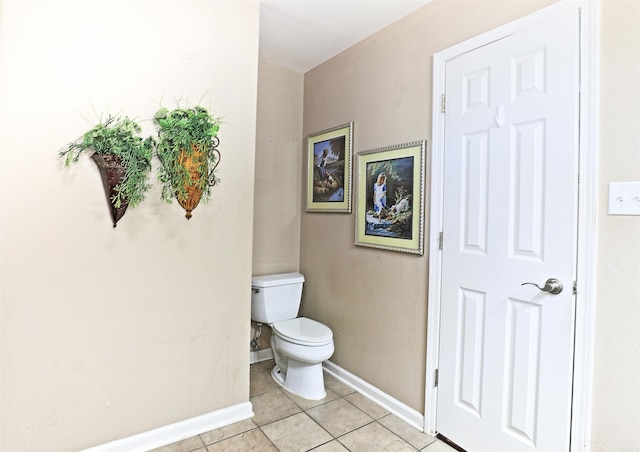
column 616, row 403
column 375, row 301
column 276, row 244
column 106, row 332
column 276, row 226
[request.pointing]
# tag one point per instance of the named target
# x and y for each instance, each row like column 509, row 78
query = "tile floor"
column 343, row 421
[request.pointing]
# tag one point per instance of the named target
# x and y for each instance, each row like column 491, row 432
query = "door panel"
column 510, row 217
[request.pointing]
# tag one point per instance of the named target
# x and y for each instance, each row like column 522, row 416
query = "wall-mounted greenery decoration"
column 187, row 150
column 124, row 160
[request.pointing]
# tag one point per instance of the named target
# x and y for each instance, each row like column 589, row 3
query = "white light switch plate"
column 624, row 198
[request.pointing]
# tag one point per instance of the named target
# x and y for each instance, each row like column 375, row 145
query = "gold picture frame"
column 329, row 171
column 390, row 198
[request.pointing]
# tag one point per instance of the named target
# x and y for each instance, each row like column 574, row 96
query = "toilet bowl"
column 299, row 344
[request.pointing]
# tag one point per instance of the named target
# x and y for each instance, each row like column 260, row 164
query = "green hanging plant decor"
column 123, row 158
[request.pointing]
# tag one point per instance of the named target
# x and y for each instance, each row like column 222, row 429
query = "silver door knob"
column 552, row 286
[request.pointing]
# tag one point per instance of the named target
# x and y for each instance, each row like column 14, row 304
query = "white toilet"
column 299, row 344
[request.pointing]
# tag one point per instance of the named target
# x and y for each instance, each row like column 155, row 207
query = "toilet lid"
column 303, row 331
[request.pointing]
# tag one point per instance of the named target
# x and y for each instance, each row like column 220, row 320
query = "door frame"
column 589, row 11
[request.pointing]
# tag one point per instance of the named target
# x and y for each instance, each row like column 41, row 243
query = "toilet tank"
column 276, row 297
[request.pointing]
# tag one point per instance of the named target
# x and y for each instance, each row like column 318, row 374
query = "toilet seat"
column 303, row 331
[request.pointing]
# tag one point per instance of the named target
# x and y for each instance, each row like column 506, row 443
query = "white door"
column 510, row 217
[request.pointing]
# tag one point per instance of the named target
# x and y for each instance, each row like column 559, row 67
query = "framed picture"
column 390, row 198
column 329, row 170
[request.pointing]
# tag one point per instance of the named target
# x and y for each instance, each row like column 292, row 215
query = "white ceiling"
column 300, row 34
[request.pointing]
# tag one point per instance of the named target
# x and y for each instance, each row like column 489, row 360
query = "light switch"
column 624, row 198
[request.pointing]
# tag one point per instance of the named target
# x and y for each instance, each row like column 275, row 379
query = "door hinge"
column 443, row 104
column 440, row 240
column 575, row 287
column 435, row 383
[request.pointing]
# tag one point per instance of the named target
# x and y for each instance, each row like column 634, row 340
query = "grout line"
column 333, row 437
column 259, row 427
column 394, row 433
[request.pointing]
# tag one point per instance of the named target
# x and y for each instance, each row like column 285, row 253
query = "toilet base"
column 302, row 379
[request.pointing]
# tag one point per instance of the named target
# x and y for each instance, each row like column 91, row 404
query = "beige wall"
column 106, row 332
column 616, row 402
column 375, row 301
column 276, row 227
column 276, row 211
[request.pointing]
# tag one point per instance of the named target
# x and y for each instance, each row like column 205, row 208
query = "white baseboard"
column 178, row 431
column 404, row 412
column 260, row 355
column 200, row 424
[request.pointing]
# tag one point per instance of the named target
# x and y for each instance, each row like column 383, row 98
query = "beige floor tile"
column 251, row 440
column 339, row 417
column 438, row 446
column 263, row 365
column 331, row 446
column 305, row 404
column 272, row 406
column 228, row 431
column 186, row 445
column 296, row 433
column 374, row 437
column 371, row 408
column 337, row 386
column 261, row 383
column 344, row 413
column 405, row 431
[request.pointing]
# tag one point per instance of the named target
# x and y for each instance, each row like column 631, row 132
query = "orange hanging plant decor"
column 196, row 165
column 188, row 152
